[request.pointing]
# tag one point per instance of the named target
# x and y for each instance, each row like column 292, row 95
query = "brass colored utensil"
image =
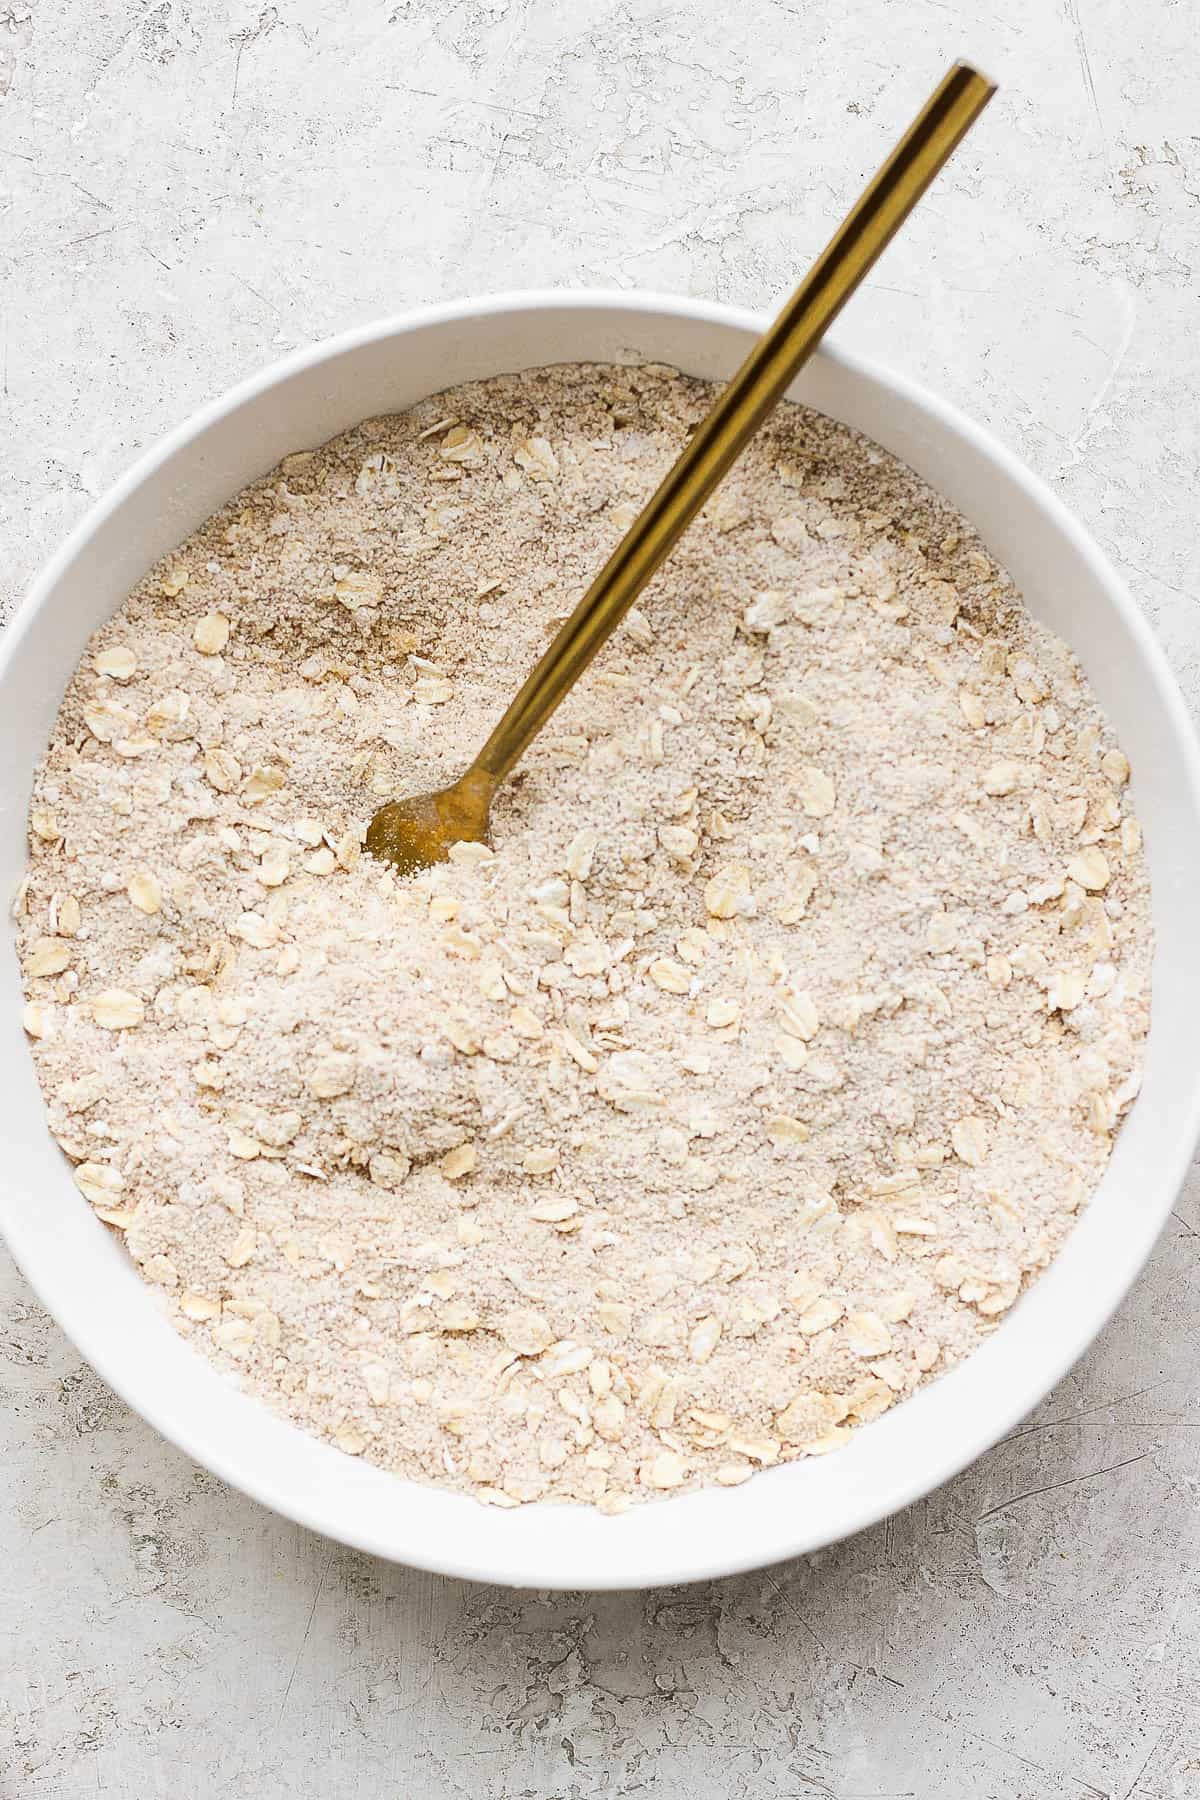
column 418, row 832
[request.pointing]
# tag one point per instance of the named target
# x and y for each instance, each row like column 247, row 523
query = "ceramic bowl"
column 78, row 1267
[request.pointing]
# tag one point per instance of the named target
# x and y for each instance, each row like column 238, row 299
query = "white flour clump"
column 746, row 1082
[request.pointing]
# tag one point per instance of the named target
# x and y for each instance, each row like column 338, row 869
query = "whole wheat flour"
column 746, row 1082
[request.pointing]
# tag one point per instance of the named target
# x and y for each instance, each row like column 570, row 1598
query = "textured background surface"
column 190, row 187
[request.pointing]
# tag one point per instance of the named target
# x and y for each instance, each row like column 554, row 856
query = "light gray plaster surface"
column 190, row 187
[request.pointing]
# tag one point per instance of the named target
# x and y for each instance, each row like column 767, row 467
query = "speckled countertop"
column 190, row 187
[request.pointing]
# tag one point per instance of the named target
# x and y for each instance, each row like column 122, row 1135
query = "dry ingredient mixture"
column 746, row 1082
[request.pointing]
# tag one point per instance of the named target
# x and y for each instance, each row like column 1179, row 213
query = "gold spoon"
column 418, row 832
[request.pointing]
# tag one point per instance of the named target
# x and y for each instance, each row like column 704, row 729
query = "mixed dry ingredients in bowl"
column 737, row 1092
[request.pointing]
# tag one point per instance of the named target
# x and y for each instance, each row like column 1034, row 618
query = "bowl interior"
column 84, row 1277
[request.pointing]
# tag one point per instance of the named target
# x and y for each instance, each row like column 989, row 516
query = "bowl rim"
column 790, row 1536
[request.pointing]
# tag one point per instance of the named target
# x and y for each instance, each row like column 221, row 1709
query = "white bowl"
column 79, row 1269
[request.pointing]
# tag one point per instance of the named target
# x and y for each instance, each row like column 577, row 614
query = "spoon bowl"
column 416, row 833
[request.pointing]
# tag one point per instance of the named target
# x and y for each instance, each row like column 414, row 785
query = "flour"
column 737, row 1091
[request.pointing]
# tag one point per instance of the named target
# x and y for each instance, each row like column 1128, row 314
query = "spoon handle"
column 740, row 409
